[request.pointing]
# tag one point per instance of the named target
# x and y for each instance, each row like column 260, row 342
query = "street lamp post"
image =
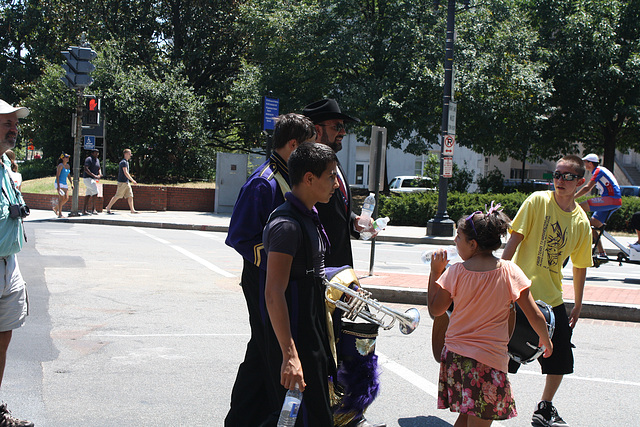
column 441, row 224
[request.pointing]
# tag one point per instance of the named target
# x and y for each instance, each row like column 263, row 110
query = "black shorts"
column 561, row 360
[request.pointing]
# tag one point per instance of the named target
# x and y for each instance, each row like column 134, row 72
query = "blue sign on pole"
column 89, row 142
column 271, row 108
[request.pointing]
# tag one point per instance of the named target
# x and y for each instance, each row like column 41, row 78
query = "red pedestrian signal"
column 91, row 116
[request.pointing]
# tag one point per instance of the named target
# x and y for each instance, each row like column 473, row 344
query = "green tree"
column 432, row 168
column 492, row 182
column 461, row 179
column 593, row 53
column 380, row 59
column 159, row 118
column 49, row 123
column 501, row 91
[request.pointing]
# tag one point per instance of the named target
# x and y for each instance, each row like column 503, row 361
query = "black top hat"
column 326, row 109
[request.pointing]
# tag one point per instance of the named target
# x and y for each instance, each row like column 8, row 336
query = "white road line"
column 594, row 379
column 219, row 237
column 428, row 387
column 163, row 335
column 188, row 254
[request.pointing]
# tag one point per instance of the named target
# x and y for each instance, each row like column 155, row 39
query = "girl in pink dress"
column 474, row 361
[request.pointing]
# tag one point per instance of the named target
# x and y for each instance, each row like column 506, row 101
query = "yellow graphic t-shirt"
column 551, row 235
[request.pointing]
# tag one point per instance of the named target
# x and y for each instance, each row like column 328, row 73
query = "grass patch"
column 46, row 186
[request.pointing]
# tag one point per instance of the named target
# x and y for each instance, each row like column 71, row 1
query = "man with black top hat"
column 340, row 224
column 13, row 298
column 337, row 217
column 90, row 176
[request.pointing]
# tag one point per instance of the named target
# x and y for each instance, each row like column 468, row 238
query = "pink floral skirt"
column 473, row 388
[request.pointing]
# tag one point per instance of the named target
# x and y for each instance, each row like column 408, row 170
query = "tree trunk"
column 610, row 133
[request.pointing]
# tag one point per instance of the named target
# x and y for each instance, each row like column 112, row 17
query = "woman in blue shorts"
column 62, row 174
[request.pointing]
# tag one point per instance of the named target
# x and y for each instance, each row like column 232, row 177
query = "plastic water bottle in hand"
column 377, row 226
column 367, row 211
column 365, row 217
column 290, row 408
column 451, row 251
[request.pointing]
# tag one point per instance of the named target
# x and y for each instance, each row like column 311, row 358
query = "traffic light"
column 78, row 67
column 91, row 113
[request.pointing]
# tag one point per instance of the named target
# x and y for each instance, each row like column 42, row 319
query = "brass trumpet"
column 362, row 305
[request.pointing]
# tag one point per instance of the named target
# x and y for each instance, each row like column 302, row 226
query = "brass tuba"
column 358, row 303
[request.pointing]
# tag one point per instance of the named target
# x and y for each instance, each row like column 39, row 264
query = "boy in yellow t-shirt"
column 548, row 228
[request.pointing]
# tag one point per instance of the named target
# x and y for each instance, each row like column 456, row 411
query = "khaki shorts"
column 14, row 305
column 124, row 191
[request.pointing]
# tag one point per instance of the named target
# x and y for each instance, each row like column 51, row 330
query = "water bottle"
column 451, row 251
column 290, row 408
column 367, row 210
column 380, row 223
column 377, row 225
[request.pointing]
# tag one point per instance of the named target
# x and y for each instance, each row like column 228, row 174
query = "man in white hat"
column 608, row 199
column 13, row 300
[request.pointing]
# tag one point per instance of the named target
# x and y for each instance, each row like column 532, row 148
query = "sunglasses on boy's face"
column 566, row 176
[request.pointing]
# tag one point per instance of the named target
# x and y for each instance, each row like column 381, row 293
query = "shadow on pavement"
column 421, row 421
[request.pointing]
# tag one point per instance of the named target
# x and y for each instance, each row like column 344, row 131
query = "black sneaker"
column 547, row 416
column 556, row 420
column 7, row 420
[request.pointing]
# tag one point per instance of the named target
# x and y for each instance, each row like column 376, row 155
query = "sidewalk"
column 600, row 301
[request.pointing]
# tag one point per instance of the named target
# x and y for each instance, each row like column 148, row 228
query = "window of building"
column 517, row 173
column 361, row 173
column 420, row 164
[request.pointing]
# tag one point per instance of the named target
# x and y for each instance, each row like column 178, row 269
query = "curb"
column 145, row 224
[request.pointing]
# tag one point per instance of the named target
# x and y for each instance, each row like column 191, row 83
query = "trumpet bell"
column 410, row 321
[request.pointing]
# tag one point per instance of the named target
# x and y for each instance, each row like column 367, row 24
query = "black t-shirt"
column 284, row 235
column 93, row 165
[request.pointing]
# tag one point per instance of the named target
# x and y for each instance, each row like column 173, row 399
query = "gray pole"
column 76, row 154
column 376, row 171
column 441, row 224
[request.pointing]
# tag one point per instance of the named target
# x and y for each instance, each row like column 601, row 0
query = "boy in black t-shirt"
column 295, row 243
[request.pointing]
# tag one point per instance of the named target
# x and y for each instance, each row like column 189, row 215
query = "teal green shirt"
column 11, row 236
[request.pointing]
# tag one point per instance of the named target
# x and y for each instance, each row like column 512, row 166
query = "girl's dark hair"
column 12, row 157
column 486, row 229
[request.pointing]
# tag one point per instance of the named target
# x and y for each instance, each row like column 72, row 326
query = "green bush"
column 37, row 168
column 619, row 219
column 493, row 182
column 416, row 209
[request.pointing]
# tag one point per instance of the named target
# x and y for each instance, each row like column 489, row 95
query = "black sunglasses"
column 337, row 127
column 567, row 176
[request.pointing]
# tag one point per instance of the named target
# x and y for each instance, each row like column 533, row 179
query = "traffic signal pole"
column 77, row 143
column 77, row 68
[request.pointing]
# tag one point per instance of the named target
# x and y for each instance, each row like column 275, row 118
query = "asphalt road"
column 132, row 326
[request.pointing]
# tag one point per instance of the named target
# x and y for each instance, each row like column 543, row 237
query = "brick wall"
column 145, row 197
